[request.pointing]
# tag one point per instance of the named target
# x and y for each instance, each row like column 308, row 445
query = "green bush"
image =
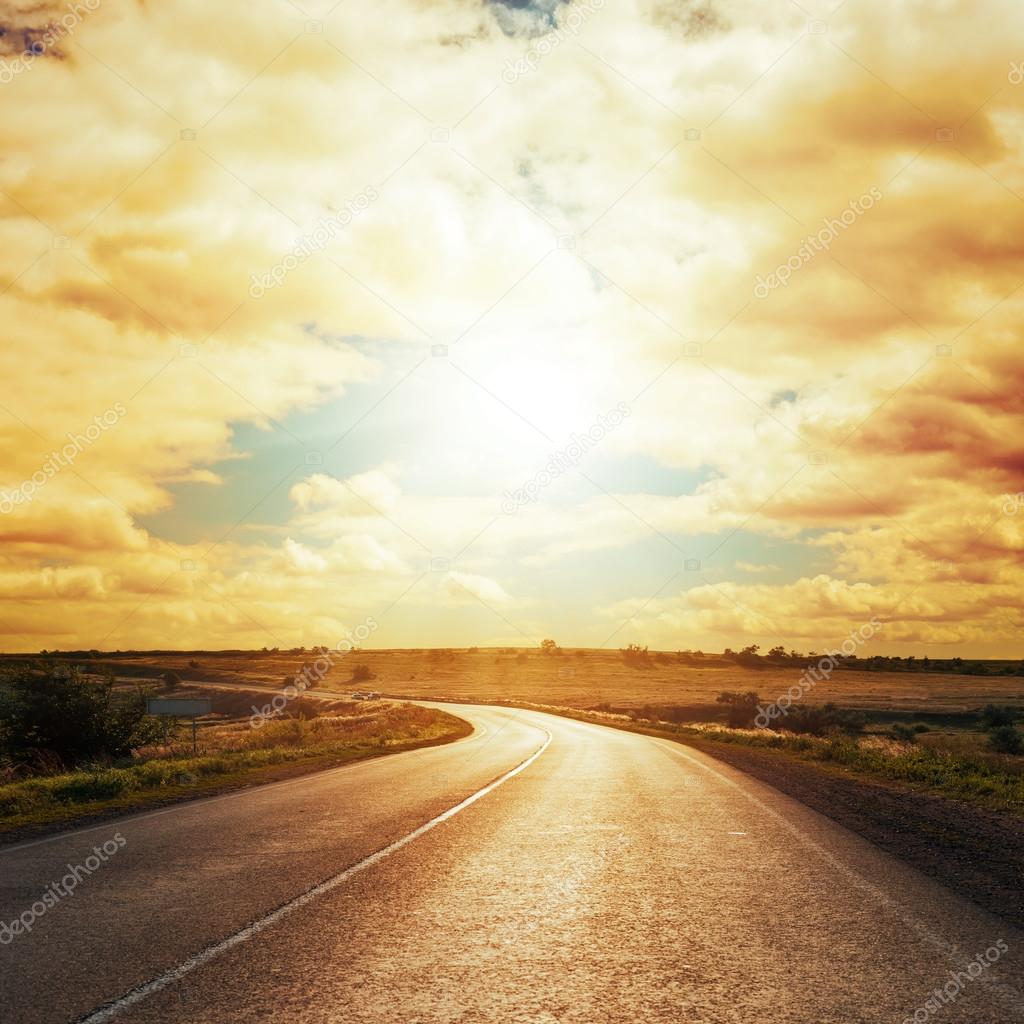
column 61, row 714
column 1006, row 740
column 820, row 720
column 993, row 716
column 906, row 733
column 742, row 708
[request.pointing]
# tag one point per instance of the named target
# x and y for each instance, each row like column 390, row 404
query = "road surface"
column 540, row 871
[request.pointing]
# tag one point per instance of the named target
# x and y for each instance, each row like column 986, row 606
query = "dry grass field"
column 583, row 679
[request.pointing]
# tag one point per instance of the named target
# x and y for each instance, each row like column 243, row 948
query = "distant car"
column 365, row 695
column 359, row 695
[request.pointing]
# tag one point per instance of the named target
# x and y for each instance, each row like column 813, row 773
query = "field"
column 905, row 713
column 583, row 679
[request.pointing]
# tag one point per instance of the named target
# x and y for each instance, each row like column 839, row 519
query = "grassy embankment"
column 232, row 754
column 992, row 781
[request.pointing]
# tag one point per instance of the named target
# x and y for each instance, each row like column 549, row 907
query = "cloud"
column 459, row 584
column 362, row 494
column 302, row 559
column 538, row 251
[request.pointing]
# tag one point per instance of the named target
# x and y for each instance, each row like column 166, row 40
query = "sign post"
column 181, row 707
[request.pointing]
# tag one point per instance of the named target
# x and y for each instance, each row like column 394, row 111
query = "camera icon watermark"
column 440, row 565
column 1013, row 503
column 314, row 458
column 439, row 351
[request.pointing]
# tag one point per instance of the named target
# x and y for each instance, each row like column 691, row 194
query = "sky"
column 472, row 323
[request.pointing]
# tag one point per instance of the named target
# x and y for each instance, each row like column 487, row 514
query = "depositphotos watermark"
column 815, row 673
column 77, row 443
column 55, row 30
column 313, row 242
column 1016, row 73
column 569, row 24
column 818, row 242
column 25, row 921
column 950, row 992
column 1013, row 503
column 309, row 675
column 564, row 459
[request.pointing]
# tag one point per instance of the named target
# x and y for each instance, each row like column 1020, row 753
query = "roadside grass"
column 240, row 756
column 990, row 780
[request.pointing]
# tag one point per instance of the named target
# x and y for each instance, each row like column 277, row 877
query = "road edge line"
column 108, row 1011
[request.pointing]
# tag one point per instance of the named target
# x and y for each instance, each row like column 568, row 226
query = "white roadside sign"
column 179, row 707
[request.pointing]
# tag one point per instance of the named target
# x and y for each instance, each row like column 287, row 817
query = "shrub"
column 906, row 733
column 821, row 720
column 63, row 714
column 992, row 717
column 742, row 708
column 1006, row 740
column 361, row 673
column 171, row 680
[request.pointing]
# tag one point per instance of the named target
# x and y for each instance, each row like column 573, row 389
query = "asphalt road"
column 540, row 871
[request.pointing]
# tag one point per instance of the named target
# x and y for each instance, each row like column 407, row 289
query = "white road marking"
column 110, row 1010
column 206, row 801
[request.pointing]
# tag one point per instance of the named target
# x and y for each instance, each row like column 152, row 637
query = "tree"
column 63, row 713
column 171, row 680
column 635, row 655
column 548, row 647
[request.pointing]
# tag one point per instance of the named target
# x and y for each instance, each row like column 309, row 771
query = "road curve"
column 541, row 871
